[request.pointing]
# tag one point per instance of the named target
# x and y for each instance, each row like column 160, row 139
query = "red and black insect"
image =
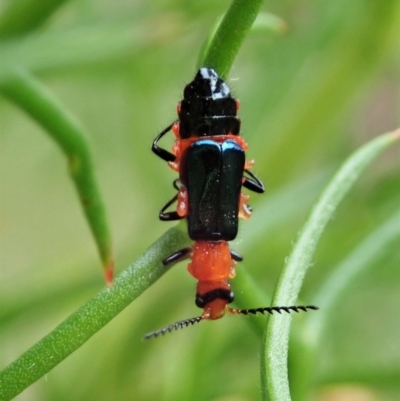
column 209, row 155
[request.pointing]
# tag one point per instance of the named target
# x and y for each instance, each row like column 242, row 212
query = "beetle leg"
column 253, row 183
column 171, row 216
column 160, row 152
column 244, row 209
column 177, row 256
column 236, row 256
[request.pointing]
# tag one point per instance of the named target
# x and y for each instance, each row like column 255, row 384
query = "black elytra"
column 212, row 173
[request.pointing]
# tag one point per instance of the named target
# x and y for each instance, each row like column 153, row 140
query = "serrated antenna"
column 175, row 326
column 269, row 309
column 272, row 309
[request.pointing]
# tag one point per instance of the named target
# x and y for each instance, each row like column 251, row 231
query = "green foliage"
column 274, row 359
column 309, row 99
column 31, row 97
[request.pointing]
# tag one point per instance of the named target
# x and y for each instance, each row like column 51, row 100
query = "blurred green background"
column 309, row 97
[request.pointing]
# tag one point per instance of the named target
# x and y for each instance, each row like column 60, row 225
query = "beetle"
column 209, row 155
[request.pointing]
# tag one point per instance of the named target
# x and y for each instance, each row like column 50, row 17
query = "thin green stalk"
column 32, row 97
column 360, row 260
column 229, row 36
column 274, row 374
column 91, row 317
column 264, row 22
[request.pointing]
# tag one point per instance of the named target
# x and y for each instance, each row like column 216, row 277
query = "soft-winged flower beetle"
column 209, row 155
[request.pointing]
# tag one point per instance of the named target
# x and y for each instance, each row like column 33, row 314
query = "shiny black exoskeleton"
column 209, row 155
column 212, row 174
column 207, row 108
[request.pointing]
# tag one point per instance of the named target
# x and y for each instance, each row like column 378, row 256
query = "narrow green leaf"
column 358, row 262
column 274, row 374
column 91, row 317
column 32, row 97
column 264, row 23
column 226, row 42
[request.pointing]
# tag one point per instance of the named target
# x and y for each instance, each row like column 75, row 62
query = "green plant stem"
column 32, row 97
column 274, row 374
column 91, row 317
column 264, row 22
column 226, row 42
column 360, row 260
